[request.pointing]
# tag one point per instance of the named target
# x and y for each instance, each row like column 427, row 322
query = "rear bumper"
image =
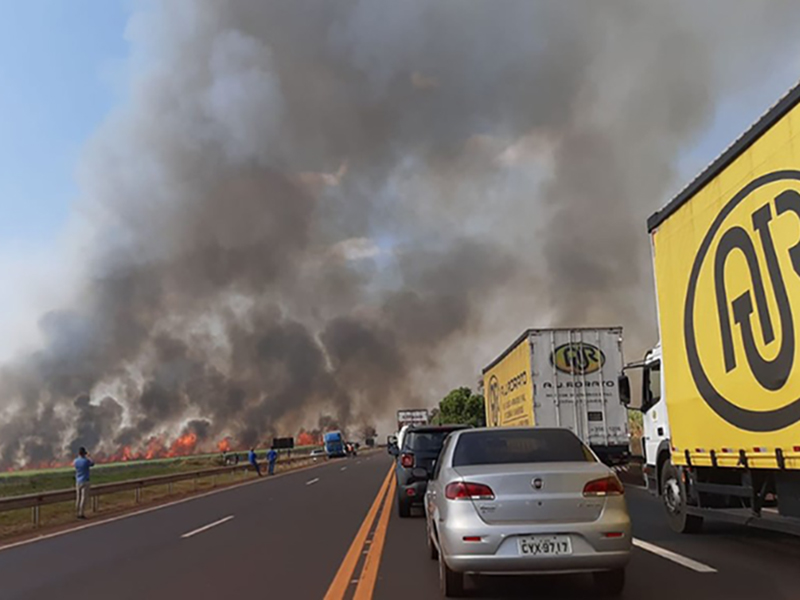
column 412, row 492
column 574, row 563
column 498, row 550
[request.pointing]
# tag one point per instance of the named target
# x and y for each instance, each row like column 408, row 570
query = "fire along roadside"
column 59, row 530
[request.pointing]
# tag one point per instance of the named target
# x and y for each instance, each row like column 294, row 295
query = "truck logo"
column 577, row 358
column 754, row 236
column 494, row 401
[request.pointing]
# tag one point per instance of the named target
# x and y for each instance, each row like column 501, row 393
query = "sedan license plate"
column 545, row 545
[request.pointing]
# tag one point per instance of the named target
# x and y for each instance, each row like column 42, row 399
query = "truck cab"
column 655, row 422
column 334, row 444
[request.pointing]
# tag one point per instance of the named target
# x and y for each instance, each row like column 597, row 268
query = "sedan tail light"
column 407, row 461
column 608, row 486
column 464, row 490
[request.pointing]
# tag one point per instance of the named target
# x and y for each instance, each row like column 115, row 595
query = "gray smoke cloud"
column 316, row 208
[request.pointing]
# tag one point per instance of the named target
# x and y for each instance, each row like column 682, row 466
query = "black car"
column 421, row 446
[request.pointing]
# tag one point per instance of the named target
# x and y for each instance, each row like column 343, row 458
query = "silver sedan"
column 525, row 501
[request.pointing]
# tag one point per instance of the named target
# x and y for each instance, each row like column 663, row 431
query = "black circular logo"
column 577, row 358
column 746, row 238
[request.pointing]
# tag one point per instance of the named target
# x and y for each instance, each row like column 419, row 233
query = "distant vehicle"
column 563, row 378
column 522, row 501
column 350, row 449
column 369, row 442
column 421, row 446
column 334, row 444
column 318, row 454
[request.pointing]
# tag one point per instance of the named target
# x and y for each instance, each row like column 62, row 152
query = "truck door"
column 655, row 421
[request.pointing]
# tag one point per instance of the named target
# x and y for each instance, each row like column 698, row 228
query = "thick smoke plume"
column 336, row 208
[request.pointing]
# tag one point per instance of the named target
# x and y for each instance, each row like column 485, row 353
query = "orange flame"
column 154, row 449
column 307, row 438
column 184, row 445
column 224, row 445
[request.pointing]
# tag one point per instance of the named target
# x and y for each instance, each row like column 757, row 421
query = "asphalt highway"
column 332, row 532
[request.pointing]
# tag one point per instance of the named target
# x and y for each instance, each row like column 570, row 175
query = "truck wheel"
column 403, row 508
column 610, row 583
column 452, row 583
column 673, row 495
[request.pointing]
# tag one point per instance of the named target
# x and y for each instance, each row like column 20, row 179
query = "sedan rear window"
column 501, row 447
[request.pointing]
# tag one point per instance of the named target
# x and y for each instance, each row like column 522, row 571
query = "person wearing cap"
column 82, row 465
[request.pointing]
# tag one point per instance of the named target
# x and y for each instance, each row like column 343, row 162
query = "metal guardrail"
column 37, row 500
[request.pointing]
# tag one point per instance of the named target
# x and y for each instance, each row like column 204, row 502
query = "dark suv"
column 421, row 446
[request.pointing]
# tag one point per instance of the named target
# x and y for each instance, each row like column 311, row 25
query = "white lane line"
column 312, row 481
column 674, row 557
column 206, row 527
column 343, row 469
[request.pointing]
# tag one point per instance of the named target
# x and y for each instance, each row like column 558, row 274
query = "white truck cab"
column 655, row 421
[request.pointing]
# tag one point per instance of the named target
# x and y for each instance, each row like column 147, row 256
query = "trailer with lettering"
column 562, row 378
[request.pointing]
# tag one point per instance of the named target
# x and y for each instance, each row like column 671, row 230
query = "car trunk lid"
column 537, row 492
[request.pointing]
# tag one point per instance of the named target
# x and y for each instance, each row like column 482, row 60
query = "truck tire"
column 673, row 495
column 451, row 582
column 610, row 583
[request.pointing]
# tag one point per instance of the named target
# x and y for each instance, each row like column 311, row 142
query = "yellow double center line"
column 369, row 570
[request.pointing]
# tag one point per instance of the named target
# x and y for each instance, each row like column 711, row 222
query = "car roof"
column 436, row 428
column 471, row 430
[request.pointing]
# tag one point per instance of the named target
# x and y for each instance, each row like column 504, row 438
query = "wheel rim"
column 672, row 496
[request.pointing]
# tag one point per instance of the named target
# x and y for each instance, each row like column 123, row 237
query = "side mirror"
column 394, row 450
column 624, row 390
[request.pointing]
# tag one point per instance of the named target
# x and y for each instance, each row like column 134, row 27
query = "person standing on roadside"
column 82, row 465
column 254, row 461
column 272, row 456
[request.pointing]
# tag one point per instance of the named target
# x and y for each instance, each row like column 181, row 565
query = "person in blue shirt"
column 272, row 456
column 254, row 461
column 82, row 465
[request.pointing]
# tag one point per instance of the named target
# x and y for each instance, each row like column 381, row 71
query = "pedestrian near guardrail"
column 272, row 456
column 82, row 465
column 254, row 461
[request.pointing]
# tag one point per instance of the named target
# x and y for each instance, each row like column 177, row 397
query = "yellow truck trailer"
column 721, row 393
column 562, row 378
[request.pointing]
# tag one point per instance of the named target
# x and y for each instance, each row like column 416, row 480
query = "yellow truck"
column 562, row 378
column 721, row 392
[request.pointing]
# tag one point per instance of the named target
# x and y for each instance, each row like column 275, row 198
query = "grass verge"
column 19, row 523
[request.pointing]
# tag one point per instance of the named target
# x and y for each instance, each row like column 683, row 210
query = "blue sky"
column 57, row 59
